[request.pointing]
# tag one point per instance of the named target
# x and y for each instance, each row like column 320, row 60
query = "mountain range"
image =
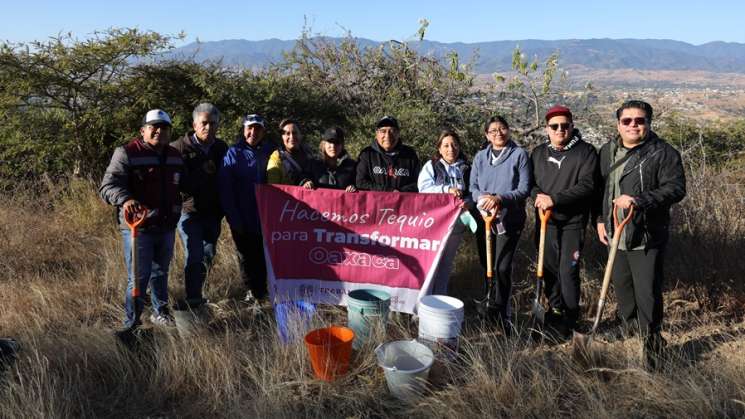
column 496, row 56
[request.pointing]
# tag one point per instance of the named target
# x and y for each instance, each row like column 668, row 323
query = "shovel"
column 133, row 220
column 483, row 305
column 539, row 312
column 581, row 342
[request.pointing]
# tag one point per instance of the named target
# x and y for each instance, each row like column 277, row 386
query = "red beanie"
column 558, row 110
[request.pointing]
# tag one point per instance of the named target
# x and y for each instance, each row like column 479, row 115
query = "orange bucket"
column 330, row 349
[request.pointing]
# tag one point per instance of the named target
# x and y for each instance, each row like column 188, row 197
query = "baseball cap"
column 558, row 110
column 254, row 119
column 333, row 135
column 156, row 116
column 387, row 121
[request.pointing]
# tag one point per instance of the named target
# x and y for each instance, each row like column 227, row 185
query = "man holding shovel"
column 143, row 181
column 641, row 170
column 565, row 169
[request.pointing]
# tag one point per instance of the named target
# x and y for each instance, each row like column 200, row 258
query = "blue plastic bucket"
column 293, row 319
column 367, row 308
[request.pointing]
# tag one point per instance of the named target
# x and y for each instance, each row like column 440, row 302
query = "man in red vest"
column 145, row 175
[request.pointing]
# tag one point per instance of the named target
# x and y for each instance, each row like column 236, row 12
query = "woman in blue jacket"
column 500, row 183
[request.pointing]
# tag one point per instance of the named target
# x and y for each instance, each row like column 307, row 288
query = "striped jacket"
column 138, row 171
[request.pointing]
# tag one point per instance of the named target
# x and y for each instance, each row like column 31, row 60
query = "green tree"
column 63, row 98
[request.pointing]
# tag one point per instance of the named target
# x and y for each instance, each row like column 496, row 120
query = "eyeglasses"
column 497, row 130
column 638, row 120
column 564, row 126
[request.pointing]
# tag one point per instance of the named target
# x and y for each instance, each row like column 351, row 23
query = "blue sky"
column 465, row 21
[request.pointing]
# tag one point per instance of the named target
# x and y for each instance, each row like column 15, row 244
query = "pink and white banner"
column 320, row 244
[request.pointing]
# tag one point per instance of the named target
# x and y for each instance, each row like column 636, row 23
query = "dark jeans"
column 199, row 234
column 503, row 250
column 250, row 248
column 637, row 279
column 154, row 252
column 561, row 265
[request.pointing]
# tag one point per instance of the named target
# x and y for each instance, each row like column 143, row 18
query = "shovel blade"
column 538, row 312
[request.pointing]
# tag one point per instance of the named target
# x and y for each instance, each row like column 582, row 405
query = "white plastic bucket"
column 406, row 364
column 440, row 320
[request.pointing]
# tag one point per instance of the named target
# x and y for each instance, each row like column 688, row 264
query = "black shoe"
column 8, row 350
column 557, row 324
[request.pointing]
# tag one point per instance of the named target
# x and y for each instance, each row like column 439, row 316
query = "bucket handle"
column 380, row 354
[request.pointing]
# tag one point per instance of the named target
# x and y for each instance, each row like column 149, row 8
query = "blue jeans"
column 154, row 252
column 199, row 234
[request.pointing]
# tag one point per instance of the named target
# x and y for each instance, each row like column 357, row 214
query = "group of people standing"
column 190, row 183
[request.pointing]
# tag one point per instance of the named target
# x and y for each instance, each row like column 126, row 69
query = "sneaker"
column 165, row 320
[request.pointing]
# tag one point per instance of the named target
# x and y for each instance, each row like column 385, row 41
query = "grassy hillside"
column 62, row 281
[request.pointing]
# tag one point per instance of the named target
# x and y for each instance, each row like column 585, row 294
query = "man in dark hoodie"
column 201, row 214
column 565, row 172
column 386, row 164
column 640, row 170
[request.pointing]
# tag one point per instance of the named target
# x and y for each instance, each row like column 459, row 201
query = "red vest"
column 154, row 179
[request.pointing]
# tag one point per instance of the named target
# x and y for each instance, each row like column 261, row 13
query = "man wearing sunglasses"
column 640, row 170
column 565, row 169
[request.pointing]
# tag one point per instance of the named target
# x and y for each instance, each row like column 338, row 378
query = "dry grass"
column 62, row 282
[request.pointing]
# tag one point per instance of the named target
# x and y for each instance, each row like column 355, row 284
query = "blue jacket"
column 509, row 177
column 242, row 167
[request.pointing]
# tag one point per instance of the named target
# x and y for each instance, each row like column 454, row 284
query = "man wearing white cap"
column 244, row 166
column 145, row 176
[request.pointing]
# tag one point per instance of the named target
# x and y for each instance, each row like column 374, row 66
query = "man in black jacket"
column 640, row 170
column 565, row 169
column 386, row 164
column 199, row 225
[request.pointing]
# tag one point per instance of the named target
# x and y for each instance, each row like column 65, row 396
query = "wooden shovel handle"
column 488, row 219
column 611, row 260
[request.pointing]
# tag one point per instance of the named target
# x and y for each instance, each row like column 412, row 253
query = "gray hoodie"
column 509, row 177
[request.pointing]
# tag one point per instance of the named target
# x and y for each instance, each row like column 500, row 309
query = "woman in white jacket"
column 447, row 172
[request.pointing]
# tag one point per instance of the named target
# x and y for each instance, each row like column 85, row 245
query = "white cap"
column 156, row 116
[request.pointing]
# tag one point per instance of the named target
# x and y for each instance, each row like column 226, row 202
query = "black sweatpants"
column 637, row 280
column 250, row 249
column 503, row 250
column 561, row 265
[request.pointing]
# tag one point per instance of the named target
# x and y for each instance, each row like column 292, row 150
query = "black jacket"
column 379, row 171
column 654, row 176
column 202, row 168
column 570, row 178
column 339, row 177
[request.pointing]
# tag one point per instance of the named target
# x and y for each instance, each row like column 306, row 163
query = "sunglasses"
column 564, row 126
column 639, row 121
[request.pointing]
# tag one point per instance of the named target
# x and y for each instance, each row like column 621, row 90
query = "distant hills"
column 592, row 54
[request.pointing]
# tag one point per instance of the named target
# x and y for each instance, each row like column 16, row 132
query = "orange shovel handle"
column 133, row 220
column 544, row 215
